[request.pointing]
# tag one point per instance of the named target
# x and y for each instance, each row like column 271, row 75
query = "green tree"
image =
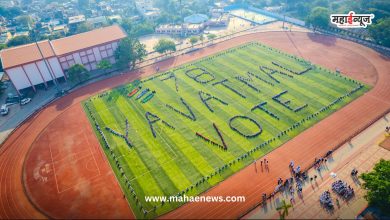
column 201, row 38
column 380, row 31
column 10, row 13
column 127, row 26
column 377, row 184
column 1, row 90
column 137, row 29
column 321, row 3
column 318, row 17
column 129, row 51
column 18, row 40
column 2, row 46
column 143, row 28
column 24, row 20
column 84, row 27
column 193, row 40
column 283, row 209
column 211, row 37
column 77, row 73
column 83, row 3
column 104, row 65
column 164, row 45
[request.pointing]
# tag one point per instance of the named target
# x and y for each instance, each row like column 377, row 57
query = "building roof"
column 95, row 20
column 196, row 18
column 25, row 54
column 76, row 19
column 15, row 56
column 88, row 39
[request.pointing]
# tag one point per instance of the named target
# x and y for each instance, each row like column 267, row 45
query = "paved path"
column 362, row 153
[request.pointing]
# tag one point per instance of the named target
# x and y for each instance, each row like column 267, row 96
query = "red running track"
column 52, row 166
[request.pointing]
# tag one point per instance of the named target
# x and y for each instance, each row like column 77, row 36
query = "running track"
column 18, row 201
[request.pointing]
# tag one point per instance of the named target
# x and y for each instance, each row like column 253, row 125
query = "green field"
column 176, row 160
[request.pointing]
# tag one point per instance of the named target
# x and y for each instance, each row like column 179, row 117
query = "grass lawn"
column 290, row 94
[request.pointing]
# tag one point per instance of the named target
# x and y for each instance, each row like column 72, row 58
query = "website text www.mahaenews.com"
column 185, row 198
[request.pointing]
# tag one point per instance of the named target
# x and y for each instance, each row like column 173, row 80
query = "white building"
column 31, row 65
column 146, row 9
column 185, row 29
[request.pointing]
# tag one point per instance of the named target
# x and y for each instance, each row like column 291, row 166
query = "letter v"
column 191, row 114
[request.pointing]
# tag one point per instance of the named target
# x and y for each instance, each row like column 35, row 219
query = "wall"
column 89, row 57
column 18, row 78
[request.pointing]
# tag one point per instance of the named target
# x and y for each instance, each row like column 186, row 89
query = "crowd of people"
column 261, row 107
column 223, row 82
column 205, row 97
column 198, row 76
column 265, row 70
column 343, row 189
column 172, row 76
column 247, row 82
column 291, row 71
column 240, row 132
column 326, row 200
column 190, row 116
column 148, row 97
column 258, row 77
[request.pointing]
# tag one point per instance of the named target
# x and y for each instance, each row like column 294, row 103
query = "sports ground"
column 60, row 157
column 193, row 126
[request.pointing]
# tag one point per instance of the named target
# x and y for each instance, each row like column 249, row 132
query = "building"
column 216, row 12
column 5, row 37
column 74, row 21
column 185, row 29
column 146, row 9
column 196, row 19
column 38, row 65
column 97, row 22
column 221, row 21
column 60, row 29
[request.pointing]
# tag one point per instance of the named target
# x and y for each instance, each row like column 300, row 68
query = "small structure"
column 185, row 29
column 223, row 20
column 97, row 21
column 196, row 19
column 74, row 21
column 5, row 37
column 146, row 9
column 60, row 29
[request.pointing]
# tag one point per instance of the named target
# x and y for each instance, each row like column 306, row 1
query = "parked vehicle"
column 14, row 99
column 4, row 110
column 61, row 93
column 25, row 101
